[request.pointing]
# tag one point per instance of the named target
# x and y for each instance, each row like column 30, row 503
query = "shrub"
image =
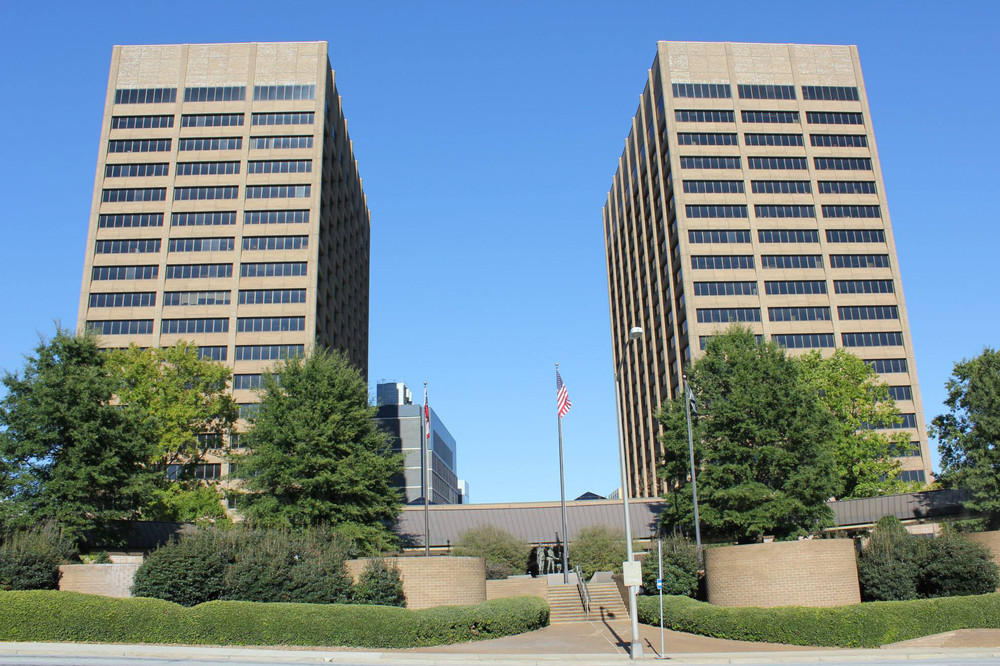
column 680, row 568
column 598, row 548
column 858, row 626
column 101, row 557
column 187, row 571
column 956, row 566
column 889, row 565
column 380, row 584
column 69, row 616
column 504, row 553
column 30, row 559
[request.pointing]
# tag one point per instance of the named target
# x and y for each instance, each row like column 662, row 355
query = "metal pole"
column 688, row 394
column 659, row 577
column 562, row 491
column 636, row 646
column 425, row 419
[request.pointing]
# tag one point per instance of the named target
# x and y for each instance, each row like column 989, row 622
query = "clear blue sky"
column 487, row 134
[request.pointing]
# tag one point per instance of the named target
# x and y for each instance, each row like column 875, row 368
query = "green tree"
column 764, row 445
column 66, row 452
column 380, row 583
column 969, row 434
column 315, row 456
column 599, row 548
column 851, row 391
column 185, row 501
column 504, row 553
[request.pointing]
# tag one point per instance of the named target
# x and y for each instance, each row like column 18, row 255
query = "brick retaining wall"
column 521, row 586
column 818, row 572
column 109, row 580
column 436, row 581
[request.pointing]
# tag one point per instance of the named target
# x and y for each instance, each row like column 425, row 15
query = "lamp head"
column 635, row 333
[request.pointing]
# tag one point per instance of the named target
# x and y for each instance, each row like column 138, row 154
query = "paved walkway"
column 963, row 638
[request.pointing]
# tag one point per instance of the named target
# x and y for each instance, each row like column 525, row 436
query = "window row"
column 274, row 269
column 215, row 94
column 136, row 170
column 847, row 187
column 706, row 139
column 834, row 118
column 738, row 210
column 138, row 145
column 751, row 91
column 718, row 261
column 277, row 191
column 207, row 168
column 863, row 287
column 195, row 298
column 888, row 365
column 794, row 287
column 122, row 327
column 778, row 163
column 130, row 220
column 805, row 340
column 784, row 261
column 280, row 166
column 772, row 139
column 756, row 91
column 901, row 393
column 145, row 95
column 719, row 236
column 702, row 90
column 268, row 296
column 211, row 143
column 855, row 236
column 866, row 312
column 280, row 142
column 843, row 163
column 207, row 193
column 725, row 288
column 134, row 194
column 882, row 339
column 212, row 120
column 714, row 186
column 839, row 140
column 799, row 314
column 704, row 116
column 198, row 271
column 781, row 187
column 127, row 246
column 300, row 118
column 699, row 162
column 275, row 242
column 219, row 353
column 859, row 261
column 268, row 352
column 784, row 211
column 225, row 218
column 830, row 93
column 245, row 382
column 221, row 218
column 125, row 272
column 264, row 93
column 780, row 117
column 141, row 122
column 201, row 244
column 182, row 326
column 788, row 236
column 268, row 324
column 723, row 315
column 128, row 299
column 852, row 211
column 276, row 217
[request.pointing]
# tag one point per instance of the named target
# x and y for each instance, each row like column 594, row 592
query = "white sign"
column 632, row 574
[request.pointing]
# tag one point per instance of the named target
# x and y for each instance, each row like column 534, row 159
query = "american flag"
column 562, row 396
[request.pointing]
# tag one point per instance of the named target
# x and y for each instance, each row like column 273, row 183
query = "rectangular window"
column 280, row 166
column 794, row 287
column 724, row 315
column 265, row 93
column 269, row 296
column 830, row 93
column 212, row 120
column 190, row 298
column 138, row 145
column 276, row 269
column 197, row 271
column 145, row 95
column 125, row 272
column 738, row 210
column 207, row 168
column 201, row 244
column 772, row 139
column 855, row 236
column 134, row 194
column 277, row 191
column 267, row 324
column 788, row 236
column 276, row 217
column 884, row 339
column 128, row 299
column 781, row 187
column 268, row 352
column 843, row 163
column 195, row 326
column 852, row 211
column 719, row 236
column 780, row 117
column 888, row 365
column 847, row 187
column 213, row 354
column 791, row 261
column 248, row 410
column 698, row 162
column 805, row 340
column 713, row 186
column 862, row 286
column 127, row 246
column 716, row 261
column 834, row 118
column 243, row 382
column 135, row 170
column 901, row 393
column 301, row 118
column 202, row 219
column 141, row 122
column 130, row 220
column 799, row 314
column 280, row 142
column 702, row 90
column 750, row 91
column 839, row 140
column 725, row 288
column 706, row 139
column 122, row 327
column 784, row 211
column 859, row 261
column 864, row 312
column 706, row 116
column 206, row 193
column 216, row 94
column 275, row 242
column 221, row 143
column 913, row 475
column 795, row 163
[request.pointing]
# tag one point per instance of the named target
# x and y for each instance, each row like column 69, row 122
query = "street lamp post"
column 636, row 648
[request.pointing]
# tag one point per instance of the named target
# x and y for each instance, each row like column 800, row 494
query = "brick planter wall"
column 109, row 580
column 436, row 581
column 820, row 572
column 992, row 541
column 525, row 586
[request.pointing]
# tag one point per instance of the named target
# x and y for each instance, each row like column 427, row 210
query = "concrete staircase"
column 566, row 605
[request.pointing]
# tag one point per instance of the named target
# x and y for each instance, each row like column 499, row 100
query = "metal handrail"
column 581, row 584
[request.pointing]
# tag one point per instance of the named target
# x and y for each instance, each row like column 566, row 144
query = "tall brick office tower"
column 750, row 190
column 227, row 208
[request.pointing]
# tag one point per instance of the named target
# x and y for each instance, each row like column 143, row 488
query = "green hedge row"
column 45, row 615
column 867, row 625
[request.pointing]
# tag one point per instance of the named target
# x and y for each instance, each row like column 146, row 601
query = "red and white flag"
column 427, row 417
column 562, row 396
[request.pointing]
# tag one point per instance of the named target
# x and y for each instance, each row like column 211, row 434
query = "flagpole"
column 425, row 417
column 562, row 495
column 688, row 397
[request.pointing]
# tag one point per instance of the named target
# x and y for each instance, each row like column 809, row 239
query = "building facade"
column 401, row 419
column 750, row 190
column 227, row 209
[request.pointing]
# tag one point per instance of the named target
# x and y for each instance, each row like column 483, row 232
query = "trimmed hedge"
column 45, row 615
column 867, row 625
